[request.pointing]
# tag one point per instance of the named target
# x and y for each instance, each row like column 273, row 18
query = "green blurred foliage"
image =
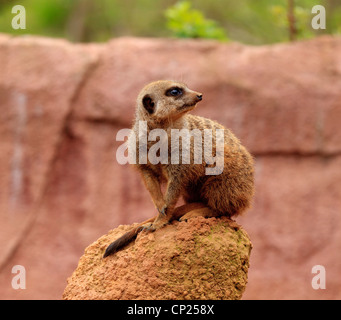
column 186, row 22
column 303, row 17
column 247, row 21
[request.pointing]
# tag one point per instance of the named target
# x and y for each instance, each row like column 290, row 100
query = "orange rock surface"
column 197, row 259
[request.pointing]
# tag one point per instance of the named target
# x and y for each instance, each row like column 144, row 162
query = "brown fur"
column 229, row 193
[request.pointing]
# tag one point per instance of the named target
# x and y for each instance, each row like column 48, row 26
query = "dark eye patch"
column 148, row 103
column 174, row 92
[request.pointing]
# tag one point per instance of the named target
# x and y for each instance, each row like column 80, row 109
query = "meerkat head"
column 166, row 99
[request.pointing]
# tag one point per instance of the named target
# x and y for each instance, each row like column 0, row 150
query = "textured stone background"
column 61, row 187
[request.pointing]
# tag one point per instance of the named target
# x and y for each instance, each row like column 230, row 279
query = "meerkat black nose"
column 199, row 96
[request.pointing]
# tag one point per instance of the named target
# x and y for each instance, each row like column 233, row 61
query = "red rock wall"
column 62, row 188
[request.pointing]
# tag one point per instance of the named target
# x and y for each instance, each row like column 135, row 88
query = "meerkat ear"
column 148, row 103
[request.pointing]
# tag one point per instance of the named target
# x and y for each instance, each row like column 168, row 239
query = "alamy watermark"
column 19, row 20
column 317, row 22
column 196, row 147
column 318, row 281
column 19, row 280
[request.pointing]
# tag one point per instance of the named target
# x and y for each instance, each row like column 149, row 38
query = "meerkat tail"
column 124, row 240
column 131, row 235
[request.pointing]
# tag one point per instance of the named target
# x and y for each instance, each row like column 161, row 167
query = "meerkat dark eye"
column 174, row 92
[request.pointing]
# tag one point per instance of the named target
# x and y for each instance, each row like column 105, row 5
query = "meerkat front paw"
column 163, row 210
column 159, row 224
column 148, row 227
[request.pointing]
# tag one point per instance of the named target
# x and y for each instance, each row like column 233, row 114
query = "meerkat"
column 165, row 105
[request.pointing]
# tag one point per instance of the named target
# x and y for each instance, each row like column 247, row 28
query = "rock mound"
column 198, row 259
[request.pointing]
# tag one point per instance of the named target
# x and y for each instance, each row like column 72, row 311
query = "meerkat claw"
column 163, row 211
column 148, row 228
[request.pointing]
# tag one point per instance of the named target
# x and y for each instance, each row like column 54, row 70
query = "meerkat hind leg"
column 184, row 209
column 182, row 213
column 205, row 212
column 178, row 212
